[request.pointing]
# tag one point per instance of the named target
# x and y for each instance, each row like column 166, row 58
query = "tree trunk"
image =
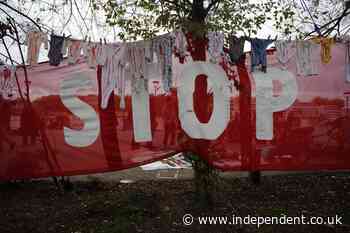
column 204, row 175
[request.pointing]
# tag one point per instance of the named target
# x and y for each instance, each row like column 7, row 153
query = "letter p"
column 267, row 104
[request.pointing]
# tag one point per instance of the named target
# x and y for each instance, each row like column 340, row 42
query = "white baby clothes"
column 308, row 58
column 163, row 47
column 136, row 57
column 74, row 51
column 89, row 52
column 180, row 45
column 153, row 68
column 285, row 51
column 85, row 48
column 8, row 85
column 136, row 68
column 215, row 46
column 34, row 40
column 112, row 59
column 347, row 61
column 141, row 110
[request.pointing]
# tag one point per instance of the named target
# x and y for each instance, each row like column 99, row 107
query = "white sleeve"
column 45, row 40
column 101, row 54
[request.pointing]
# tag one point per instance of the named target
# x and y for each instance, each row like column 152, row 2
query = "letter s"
column 88, row 135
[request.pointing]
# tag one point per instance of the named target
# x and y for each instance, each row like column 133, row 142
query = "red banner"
column 278, row 120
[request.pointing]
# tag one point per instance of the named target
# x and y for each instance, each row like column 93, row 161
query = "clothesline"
column 122, row 63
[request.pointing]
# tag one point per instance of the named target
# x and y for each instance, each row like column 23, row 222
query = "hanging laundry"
column 89, row 52
column 326, row 48
column 215, row 46
column 236, row 48
column 180, row 45
column 307, row 58
column 112, row 58
column 149, row 51
column 163, row 47
column 285, row 51
column 141, row 115
column 121, row 85
column 34, row 40
column 347, row 61
column 74, row 51
column 8, row 85
column 259, row 54
column 136, row 56
column 56, row 50
column 99, row 53
column 153, row 67
column 85, row 48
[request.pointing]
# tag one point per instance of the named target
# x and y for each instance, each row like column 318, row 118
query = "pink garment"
column 8, row 87
column 74, row 51
column 34, row 41
column 112, row 59
column 89, row 51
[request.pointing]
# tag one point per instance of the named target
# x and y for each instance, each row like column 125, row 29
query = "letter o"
column 219, row 84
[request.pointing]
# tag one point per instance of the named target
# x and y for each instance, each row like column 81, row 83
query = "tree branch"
column 211, row 5
column 20, row 13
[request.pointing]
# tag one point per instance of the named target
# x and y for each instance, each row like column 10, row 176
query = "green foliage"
column 247, row 18
column 145, row 18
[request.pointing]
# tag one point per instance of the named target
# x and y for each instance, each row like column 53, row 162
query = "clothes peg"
column 100, row 40
column 85, row 38
column 89, row 39
column 105, row 40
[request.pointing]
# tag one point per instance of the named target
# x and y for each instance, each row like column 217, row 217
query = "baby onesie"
column 307, row 58
column 74, row 51
column 56, row 50
column 259, row 54
column 215, row 46
column 112, row 59
column 284, row 52
column 163, row 47
column 33, row 41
